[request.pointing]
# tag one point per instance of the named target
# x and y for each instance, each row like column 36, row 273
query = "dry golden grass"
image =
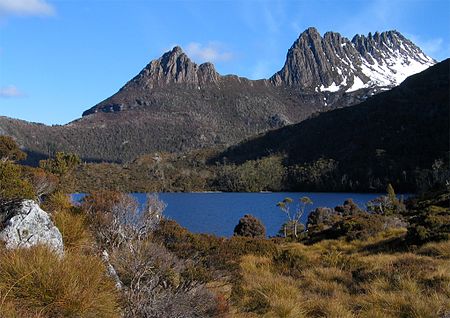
column 347, row 279
column 37, row 283
column 57, row 201
column 73, row 228
column 439, row 250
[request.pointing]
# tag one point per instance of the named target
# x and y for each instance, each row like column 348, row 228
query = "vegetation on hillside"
column 399, row 137
column 391, row 259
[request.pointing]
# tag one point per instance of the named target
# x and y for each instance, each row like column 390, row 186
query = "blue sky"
column 59, row 58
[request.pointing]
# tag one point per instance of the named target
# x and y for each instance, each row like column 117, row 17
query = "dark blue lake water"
column 218, row 213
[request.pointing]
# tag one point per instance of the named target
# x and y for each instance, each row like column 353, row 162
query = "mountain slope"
column 333, row 63
column 389, row 137
column 176, row 105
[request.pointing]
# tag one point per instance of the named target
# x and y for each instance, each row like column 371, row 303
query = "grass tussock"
column 74, row 230
column 37, row 283
column 335, row 278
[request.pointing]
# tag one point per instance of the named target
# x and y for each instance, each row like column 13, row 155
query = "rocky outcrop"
column 333, row 63
column 174, row 67
column 25, row 224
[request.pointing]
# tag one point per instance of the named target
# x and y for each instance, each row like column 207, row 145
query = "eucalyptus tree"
column 293, row 217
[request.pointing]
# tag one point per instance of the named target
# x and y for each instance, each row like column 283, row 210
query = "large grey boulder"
column 25, row 224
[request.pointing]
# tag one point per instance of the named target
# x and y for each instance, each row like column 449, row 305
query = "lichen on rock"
column 25, row 225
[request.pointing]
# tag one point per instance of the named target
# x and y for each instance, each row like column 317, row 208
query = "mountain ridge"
column 175, row 105
column 331, row 63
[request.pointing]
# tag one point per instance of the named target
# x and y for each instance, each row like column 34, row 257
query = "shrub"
column 12, row 184
column 250, row 226
column 348, row 208
column 291, row 261
column 321, row 219
column 43, row 182
column 431, row 224
column 9, row 150
column 212, row 253
column 292, row 231
column 158, row 284
column 37, row 281
column 62, row 164
column 116, row 218
column 429, row 218
column 360, row 226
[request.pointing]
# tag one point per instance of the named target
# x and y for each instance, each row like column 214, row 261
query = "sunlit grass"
column 336, row 278
column 37, row 283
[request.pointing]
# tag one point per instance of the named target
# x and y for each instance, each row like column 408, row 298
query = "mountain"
column 175, row 105
column 333, row 63
column 391, row 137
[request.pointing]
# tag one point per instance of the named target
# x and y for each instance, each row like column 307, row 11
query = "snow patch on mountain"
column 332, row 88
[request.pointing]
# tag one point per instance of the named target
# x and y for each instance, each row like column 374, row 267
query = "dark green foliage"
column 289, row 229
column 312, row 176
column 348, row 208
column 161, row 172
column 321, row 219
column 429, row 218
column 61, row 164
column 249, row 226
column 9, row 150
column 252, row 176
column 188, row 172
column 13, row 185
column 348, row 221
column 359, row 226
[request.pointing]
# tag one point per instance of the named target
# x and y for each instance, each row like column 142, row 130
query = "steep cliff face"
column 174, row 67
column 333, row 63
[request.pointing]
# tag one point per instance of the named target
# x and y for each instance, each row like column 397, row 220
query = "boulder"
column 25, row 224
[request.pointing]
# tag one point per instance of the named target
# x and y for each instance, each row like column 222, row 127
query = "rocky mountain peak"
column 311, row 61
column 174, row 67
column 333, row 63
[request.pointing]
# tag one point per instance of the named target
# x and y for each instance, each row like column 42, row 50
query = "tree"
column 387, row 204
column 9, row 150
column 250, row 226
column 293, row 218
column 62, row 164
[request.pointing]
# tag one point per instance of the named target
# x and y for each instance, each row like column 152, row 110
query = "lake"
column 218, row 213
